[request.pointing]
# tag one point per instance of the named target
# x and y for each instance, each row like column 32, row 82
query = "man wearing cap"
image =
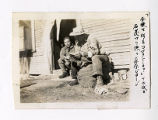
column 91, row 50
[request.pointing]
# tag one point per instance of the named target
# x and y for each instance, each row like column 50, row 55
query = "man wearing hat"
column 91, row 49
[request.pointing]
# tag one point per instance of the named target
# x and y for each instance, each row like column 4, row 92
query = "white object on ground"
column 100, row 90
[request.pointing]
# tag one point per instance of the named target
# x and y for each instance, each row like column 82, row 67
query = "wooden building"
column 114, row 36
column 41, row 41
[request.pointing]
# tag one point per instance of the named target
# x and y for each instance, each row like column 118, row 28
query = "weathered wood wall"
column 25, row 47
column 114, row 36
column 37, row 58
column 40, row 63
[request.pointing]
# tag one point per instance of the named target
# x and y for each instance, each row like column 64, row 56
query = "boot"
column 74, row 82
column 99, row 81
column 64, row 74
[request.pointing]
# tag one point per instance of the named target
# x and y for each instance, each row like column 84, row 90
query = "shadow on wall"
column 25, row 59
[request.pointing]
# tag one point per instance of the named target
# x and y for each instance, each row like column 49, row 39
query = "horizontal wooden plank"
column 118, row 51
column 124, row 54
column 109, row 31
column 121, row 60
column 103, row 22
column 103, row 40
column 121, row 66
column 110, row 36
column 102, row 35
column 109, row 41
column 108, row 27
column 87, row 21
column 115, row 43
column 116, row 48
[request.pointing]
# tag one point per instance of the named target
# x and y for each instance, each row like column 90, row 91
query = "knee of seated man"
column 95, row 57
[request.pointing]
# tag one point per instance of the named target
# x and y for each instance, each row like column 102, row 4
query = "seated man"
column 64, row 61
column 91, row 49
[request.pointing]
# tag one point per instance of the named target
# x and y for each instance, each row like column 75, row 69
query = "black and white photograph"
column 81, row 60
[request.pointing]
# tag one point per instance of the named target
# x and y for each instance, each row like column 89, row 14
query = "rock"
column 85, row 77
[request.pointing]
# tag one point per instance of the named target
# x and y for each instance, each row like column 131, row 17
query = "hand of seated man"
column 67, row 57
column 90, row 54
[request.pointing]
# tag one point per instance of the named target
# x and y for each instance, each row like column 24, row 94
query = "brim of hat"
column 75, row 34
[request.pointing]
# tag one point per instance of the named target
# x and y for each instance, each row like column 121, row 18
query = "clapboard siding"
column 122, row 66
column 106, row 26
column 116, row 43
column 38, row 57
column 96, row 22
column 39, row 25
column 39, row 61
column 122, row 55
column 114, row 36
column 119, row 49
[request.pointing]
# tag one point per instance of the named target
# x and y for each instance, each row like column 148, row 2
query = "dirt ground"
column 48, row 91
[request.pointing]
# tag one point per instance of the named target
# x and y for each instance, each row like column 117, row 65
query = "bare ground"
column 42, row 90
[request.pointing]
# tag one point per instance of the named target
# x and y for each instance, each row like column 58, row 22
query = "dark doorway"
column 66, row 27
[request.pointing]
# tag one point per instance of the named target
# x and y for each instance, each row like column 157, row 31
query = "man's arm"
column 62, row 54
column 94, row 46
